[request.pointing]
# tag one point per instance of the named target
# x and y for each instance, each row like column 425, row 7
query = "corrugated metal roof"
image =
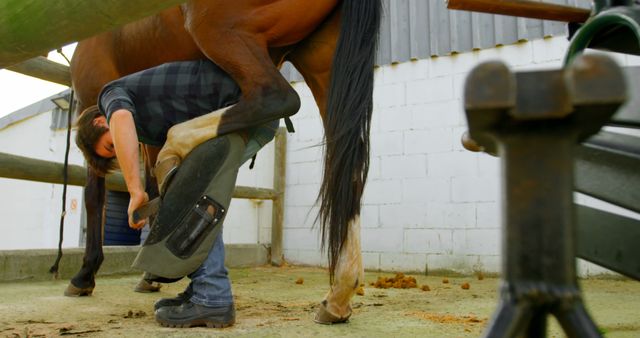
column 419, row 29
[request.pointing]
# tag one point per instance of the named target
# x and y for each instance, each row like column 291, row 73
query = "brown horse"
column 332, row 44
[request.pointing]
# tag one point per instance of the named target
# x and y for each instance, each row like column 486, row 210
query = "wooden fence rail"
column 29, row 28
column 42, row 68
column 523, row 8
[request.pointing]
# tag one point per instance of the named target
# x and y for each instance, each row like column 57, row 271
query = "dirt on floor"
column 281, row 302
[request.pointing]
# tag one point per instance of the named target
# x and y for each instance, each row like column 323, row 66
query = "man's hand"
column 136, row 200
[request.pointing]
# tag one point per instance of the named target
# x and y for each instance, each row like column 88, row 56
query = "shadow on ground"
column 270, row 303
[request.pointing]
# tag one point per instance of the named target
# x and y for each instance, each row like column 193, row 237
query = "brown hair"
column 86, row 138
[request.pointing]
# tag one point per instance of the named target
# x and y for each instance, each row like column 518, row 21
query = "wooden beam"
column 279, row 184
column 30, row 169
column 254, row 193
column 29, row 28
column 523, row 8
column 44, row 69
column 25, row 168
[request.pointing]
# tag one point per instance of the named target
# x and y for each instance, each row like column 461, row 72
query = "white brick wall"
column 23, row 225
column 429, row 204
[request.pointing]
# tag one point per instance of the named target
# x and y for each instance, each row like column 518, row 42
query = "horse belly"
column 153, row 41
column 136, row 46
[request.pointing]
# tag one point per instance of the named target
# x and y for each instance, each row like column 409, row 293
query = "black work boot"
column 189, row 314
column 178, row 300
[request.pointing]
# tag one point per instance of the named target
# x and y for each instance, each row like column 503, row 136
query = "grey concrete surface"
column 270, row 303
column 33, row 265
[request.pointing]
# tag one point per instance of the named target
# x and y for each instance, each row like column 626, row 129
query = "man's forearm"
column 125, row 139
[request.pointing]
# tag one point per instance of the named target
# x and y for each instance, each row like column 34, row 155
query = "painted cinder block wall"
column 429, row 204
column 30, row 211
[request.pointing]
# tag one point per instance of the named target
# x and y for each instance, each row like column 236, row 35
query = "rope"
column 54, row 268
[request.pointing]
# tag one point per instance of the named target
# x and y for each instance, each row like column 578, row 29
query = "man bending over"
column 175, row 105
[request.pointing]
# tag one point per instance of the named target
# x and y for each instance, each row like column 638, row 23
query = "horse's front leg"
column 349, row 274
column 83, row 282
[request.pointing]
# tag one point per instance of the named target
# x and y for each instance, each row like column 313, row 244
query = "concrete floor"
column 270, row 304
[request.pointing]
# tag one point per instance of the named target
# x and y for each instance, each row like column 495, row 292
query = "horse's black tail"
column 347, row 123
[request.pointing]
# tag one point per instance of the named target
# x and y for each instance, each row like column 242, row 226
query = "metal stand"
column 534, row 120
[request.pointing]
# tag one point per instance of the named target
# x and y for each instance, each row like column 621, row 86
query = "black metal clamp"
column 533, row 121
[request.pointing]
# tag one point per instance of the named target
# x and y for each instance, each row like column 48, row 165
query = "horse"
column 332, row 44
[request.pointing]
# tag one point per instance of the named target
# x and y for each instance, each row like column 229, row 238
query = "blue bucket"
column 116, row 227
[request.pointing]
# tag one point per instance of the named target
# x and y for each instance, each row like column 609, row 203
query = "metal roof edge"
column 31, row 110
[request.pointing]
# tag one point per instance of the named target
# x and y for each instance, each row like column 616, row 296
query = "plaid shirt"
column 171, row 93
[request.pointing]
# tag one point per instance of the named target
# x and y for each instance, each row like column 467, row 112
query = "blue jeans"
column 210, row 285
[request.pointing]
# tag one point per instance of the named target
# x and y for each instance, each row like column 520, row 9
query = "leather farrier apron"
column 193, row 209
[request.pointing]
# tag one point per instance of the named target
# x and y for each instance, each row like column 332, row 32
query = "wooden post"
column 29, row 28
column 279, row 184
column 45, row 69
column 523, row 8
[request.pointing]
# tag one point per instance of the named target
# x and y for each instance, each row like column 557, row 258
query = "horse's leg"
column 241, row 50
column 313, row 58
column 83, row 282
column 181, row 139
column 88, row 78
column 349, row 274
column 344, row 91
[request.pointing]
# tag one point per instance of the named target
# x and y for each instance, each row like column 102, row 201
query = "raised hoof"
column 144, row 286
column 73, row 291
column 469, row 144
column 324, row 317
column 164, row 172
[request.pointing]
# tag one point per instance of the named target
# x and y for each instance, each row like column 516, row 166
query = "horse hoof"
column 324, row 317
column 73, row 291
column 469, row 144
column 164, row 172
column 144, row 286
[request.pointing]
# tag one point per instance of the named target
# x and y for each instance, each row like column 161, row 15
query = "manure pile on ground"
column 400, row 281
